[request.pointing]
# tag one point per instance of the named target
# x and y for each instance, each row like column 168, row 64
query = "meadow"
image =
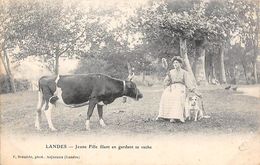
column 230, row 111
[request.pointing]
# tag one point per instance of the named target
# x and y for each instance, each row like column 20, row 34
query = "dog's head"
column 193, row 100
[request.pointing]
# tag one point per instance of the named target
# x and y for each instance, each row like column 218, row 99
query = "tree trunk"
column 200, row 63
column 213, row 70
column 57, row 63
column 184, row 55
column 212, row 75
column 129, row 68
column 244, row 68
column 255, row 72
column 143, row 76
column 193, row 67
column 6, row 62
column 209, row 66
column 256, row 51
column 223, row 78
column 143, row 73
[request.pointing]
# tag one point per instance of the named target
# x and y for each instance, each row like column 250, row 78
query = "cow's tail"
column 40, row 97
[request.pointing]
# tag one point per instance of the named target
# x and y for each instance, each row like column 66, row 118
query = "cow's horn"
column 130, row 77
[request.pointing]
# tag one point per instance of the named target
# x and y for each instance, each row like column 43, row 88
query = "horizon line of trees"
column 218, row 40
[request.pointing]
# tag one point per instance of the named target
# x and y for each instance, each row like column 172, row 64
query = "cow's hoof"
column 102, row 123
column 38, row 128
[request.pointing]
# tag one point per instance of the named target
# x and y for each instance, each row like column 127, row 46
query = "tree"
column 7, row 37
column 49, row 30
column 108, row 43
column 226, row 18
column 171, row 27
column 248, row 31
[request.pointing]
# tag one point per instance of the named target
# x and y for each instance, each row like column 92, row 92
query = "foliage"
column 113, row 67
column 20, row 84
column 44, row 29
column 112, row 37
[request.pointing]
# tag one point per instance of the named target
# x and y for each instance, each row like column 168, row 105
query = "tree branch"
column 72, row 42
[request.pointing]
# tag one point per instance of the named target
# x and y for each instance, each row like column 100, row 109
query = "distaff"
column 166, row 66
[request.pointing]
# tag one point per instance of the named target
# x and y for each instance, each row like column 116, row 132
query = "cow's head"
column 132, row 91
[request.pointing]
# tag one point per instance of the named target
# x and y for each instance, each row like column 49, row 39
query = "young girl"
column 178, row 81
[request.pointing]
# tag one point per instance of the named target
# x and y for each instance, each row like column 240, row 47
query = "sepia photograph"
column 129, row 82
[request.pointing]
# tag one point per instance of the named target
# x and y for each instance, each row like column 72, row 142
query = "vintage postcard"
column 120, row 82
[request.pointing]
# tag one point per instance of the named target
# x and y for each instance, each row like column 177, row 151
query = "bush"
column 20, row 84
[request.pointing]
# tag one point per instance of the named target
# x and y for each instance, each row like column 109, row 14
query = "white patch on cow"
column 58, row 91
column 48, row 116
column 102, row 123
column 87, row 125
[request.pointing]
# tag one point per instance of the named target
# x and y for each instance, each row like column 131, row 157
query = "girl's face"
column 176, row 64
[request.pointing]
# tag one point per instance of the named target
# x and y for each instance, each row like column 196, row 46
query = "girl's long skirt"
column 172, row 102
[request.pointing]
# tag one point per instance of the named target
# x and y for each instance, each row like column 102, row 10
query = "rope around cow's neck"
column 124, row 90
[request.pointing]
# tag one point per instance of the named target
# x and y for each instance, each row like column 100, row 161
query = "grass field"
column 230, row 113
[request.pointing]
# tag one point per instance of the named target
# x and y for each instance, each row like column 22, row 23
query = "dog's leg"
column 100, row 114
column 48, row 116
column 196, row 115
column 200, row 114
column 189, row 115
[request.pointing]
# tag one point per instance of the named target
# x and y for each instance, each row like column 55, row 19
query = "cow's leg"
column 92, row 104
column 39, row 111
column 100, row 114
column 47, row 111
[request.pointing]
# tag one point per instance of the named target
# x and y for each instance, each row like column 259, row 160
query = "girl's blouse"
column 180, row 76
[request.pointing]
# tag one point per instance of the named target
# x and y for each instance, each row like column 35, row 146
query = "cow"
column 79, row 90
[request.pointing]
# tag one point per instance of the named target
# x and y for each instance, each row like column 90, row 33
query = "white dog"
column 192, row 108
